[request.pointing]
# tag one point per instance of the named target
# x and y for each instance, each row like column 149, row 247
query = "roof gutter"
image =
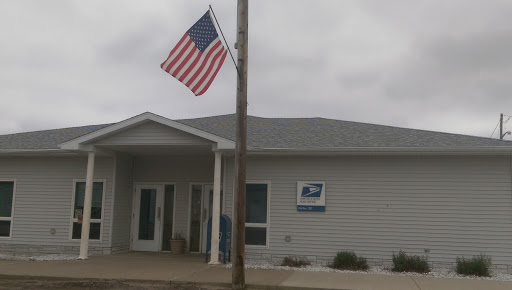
column 51, row 152
column 384, row 151
column 32, row 152
column 317, row 151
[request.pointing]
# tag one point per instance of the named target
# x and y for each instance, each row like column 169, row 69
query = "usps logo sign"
column 311, row 195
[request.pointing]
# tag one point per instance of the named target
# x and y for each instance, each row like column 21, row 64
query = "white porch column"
column 86, row 223
column 214, row 253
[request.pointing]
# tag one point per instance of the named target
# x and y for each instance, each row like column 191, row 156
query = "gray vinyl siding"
column 179, row 170
column 43, row 198
column 152, row 133
column 451, row 205
column 123, row 197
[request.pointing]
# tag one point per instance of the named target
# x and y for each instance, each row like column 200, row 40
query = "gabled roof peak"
column 78, row 143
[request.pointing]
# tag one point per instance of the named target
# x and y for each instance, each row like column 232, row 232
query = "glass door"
column 201, row 205
column 196, row 198
column 147, row 218
column 207, row 213
column 168, row 216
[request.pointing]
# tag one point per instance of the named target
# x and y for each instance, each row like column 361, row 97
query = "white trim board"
column 113, row 198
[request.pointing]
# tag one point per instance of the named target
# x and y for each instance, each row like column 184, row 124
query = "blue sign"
column 310, row 208
column 312, row 190
column 311, row 196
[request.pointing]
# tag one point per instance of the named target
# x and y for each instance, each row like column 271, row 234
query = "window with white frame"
column 6, row 207
column 96, row 210
column 256, row 214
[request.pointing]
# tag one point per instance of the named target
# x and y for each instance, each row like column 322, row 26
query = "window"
column 256, row 214
column 96, row 210
column 6, row 208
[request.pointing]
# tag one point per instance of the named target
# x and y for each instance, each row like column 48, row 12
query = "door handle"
column 159, row 211
column 204, row 215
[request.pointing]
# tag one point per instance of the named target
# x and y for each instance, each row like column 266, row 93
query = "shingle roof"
column 47, row 139
column 310, row 133
column 298, row 133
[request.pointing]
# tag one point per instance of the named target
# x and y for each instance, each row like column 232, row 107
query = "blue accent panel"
column 312, row 190
column 310, row 208
column 203, row 33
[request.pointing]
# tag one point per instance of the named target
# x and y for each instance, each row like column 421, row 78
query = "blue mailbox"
column 224, row 237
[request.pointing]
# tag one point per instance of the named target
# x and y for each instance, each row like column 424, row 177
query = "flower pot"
column 177, row 246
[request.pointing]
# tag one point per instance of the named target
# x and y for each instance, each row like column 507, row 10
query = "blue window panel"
column 94, row 231
column 97, row 199
column 6, row 196
column 256, row 203
column 256, row 236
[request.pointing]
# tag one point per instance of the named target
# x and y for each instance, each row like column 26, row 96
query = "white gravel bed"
column 47, row 257
column 436, row 272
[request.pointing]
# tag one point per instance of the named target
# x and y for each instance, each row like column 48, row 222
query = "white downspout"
column 86, row 223
column 214, row 253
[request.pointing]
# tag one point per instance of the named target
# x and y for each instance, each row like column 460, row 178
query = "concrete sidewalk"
column 193, row 269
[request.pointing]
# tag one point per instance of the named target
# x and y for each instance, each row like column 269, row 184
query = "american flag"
column 197, row 57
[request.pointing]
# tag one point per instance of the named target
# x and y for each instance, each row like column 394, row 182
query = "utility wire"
column 495, row 129
column 505, row 126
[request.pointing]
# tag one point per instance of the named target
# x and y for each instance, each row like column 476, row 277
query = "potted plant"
column 177, row 243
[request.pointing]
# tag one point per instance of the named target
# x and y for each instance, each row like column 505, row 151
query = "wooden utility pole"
column 238, row 278
column 501, row 127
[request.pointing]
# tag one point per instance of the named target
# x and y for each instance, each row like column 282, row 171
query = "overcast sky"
column 435, row 65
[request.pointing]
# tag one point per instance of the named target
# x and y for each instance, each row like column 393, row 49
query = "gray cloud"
column 439, row 65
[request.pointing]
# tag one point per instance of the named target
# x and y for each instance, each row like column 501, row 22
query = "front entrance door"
column 207, row 212
column 201, row 205
column 147, row 217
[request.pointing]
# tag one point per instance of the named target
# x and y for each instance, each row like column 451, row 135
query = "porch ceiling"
column 159, row 150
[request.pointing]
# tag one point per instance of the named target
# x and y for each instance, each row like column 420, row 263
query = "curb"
column 248, row 286
column 166, row 282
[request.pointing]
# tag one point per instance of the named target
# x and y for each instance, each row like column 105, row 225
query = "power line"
column 495, row 129
column 505, row 127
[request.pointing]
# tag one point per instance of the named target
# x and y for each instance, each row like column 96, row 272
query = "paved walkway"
column 191, row 268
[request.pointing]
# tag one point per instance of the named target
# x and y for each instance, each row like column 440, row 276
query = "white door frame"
column 134, row 222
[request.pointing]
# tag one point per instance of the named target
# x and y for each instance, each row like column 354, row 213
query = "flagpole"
column 238, row 275
column 222, row 33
